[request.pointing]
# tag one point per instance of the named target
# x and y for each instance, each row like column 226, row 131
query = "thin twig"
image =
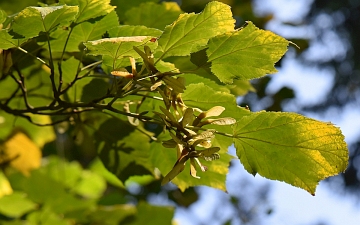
column 13, row 95
column 21, row 84
column 26, row 52
column 91, row 65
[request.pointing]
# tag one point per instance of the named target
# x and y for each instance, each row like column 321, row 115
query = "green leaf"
column 241, row 87
column 70, row 171
column 112, row 215
column 115, row 51
column 91, row 185
column 290, row 148
column 16, row 205
column 166, row 67
column 127, row 31
column 117, row 47
column 203, row 72
column 42, row 188
column 139, row 180
column 153, row 15
column 7, row 41
column 95, row 89
column 46, row 216
column 89, row 9
column 125, row 5
column 191, row 32
column 77, row 92
column 3, row 16
column 69, row 69
column 33, row 20
column 245, row 54
column 85, row 31
column 123, row 150
column 98, row 167
column 204, row 97
column 145, row 214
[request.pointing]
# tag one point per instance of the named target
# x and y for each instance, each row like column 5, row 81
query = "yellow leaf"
column 23, row 153
column 5, row 187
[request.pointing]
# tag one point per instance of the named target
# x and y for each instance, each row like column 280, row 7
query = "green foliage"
column 151, row 99
column 165, row 14
column 245, row 54
column 304, row 145
column 191, row 32
column 33, row 20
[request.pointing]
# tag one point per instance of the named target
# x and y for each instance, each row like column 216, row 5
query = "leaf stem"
column 62, row 58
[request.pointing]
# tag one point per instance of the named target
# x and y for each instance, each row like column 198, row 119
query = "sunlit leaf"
column 241, row 87
column 16, row 205
column 85, row 31
column 125, row 5
column 46, row 216
column 42, row 188
column 119, row 49
column 90, row 185
column 5, row 187
column 166, row 13
column 191, row 32
column 70, row 171
column 3, row 16
column 290, row 148
column 166, row 67
column 127, row 31
column 245, row 54
column 33, row 20
column 98, row 167
column 89, row 9
column 112, row 46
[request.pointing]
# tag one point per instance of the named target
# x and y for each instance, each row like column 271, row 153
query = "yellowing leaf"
column 290, row 148
column 245, row 54
column 22, row 152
